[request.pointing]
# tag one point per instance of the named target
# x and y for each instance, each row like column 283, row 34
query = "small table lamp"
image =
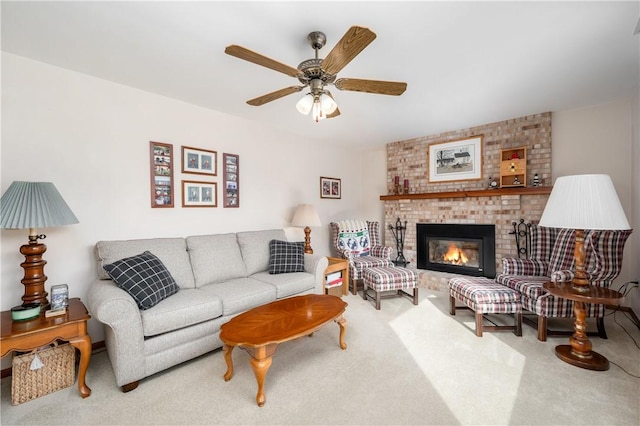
column 305, row 215
column 583, row 202
column 31, row 205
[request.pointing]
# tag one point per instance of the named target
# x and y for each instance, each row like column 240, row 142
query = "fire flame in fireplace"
column 455, row 255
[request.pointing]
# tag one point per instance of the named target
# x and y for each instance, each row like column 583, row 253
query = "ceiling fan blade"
column 261, row 100
column 258, row 59
column 337, row 111
column 394, row 88
column 350, row 45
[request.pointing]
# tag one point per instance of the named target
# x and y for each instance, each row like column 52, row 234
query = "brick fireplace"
column 469, row 202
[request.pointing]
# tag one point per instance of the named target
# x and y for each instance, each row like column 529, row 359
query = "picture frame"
column 231, row 170
column 199, row 194
column 161, row 159
column 330, row 187
column 456, row 160
column 59, row 297
column 199, row 161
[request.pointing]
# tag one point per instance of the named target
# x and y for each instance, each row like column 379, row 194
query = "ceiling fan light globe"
column 328, row 104
column 305, row 104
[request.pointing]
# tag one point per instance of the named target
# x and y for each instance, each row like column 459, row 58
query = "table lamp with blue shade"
column 33, row 205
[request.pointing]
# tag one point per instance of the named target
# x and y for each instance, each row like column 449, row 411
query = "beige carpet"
column 404, row 364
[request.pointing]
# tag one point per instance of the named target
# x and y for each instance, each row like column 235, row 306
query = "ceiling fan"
column 317, row 73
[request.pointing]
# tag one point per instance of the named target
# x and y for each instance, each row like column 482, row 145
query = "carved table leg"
column 260, row 363
column 227, row 357
column 343, row 326
column 83, row 343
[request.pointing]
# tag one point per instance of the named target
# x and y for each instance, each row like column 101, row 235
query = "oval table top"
column 282, row 320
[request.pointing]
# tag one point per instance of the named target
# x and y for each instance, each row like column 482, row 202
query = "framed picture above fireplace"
column 456, row 160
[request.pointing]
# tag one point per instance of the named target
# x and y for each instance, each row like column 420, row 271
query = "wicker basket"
column 58, row 372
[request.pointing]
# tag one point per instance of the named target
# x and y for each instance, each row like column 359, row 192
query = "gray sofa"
column 219, row 276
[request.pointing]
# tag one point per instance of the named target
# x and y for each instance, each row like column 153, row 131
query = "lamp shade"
column 306, row 215
column 34, row 205
column 584, row 202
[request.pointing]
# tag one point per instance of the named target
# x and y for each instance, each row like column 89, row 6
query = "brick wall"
column 409, row 160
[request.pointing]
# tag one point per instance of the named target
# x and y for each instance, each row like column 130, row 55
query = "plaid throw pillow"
column 144, row 277
column 285, row 257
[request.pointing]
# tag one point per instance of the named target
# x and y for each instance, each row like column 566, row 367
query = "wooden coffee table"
column 259, row 331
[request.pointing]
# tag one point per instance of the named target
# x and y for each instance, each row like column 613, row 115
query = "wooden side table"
column 28, row 335
column 336, row 264
column 579, row 352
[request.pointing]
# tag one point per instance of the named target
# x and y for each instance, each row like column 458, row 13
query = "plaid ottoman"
column 389, row 278
column 485, row 296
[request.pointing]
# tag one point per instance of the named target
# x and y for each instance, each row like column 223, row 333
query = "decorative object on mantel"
column 456, row 160
column 583, row 202
column 32, row 205
column 536, row 180
column 493, row 184
column 161, row 174
column 306, row 215
column 513, row 167
column 330, row 187
column 406, row 186
column 231, row 164
column 396, row 182
column 399, row 232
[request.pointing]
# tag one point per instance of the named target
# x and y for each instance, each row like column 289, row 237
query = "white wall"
column 601, row 139
column 91, row 139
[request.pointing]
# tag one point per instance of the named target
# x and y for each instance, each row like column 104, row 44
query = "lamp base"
column 591, row 361
column 307, row 241
column 34, row 277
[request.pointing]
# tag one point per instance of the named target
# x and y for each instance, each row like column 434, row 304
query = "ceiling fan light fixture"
column 328, row 104
column 305, row 104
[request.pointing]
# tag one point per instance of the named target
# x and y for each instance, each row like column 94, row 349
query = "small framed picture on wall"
column 199, row 194
column 330, row 188
column 161, row 174
column 231, row 165
column 199, row 161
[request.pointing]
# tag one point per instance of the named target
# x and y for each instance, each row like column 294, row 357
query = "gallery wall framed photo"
column 456, row 160
column 199, row 161
column 231, row 170
column 199, row 194
column 161, row 159
column 330, row 187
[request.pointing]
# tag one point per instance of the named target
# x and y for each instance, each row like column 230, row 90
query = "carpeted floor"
column 404, row 364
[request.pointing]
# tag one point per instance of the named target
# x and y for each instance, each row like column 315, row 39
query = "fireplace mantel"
column 534, row 190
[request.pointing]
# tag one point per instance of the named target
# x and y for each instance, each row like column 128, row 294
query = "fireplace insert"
column 458, row 248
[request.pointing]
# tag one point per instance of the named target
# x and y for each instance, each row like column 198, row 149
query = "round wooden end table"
column 578, row 352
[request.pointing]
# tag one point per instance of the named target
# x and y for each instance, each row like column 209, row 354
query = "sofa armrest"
column 124, row 337
column 316, row 265
column 381, row 251
column 517, row 266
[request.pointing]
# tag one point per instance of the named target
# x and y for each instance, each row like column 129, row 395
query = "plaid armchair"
column 551, row 258
column 359, row 242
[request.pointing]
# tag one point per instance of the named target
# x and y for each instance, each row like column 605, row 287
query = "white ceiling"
column 466, row 63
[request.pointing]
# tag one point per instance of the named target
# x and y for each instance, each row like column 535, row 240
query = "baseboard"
column 94, row 347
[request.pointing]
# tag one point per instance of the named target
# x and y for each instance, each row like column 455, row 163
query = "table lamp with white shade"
column 306, row 215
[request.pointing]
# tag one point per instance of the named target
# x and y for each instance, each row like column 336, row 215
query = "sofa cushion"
column 240, row 294
column 609, row 247
column 144, row 277
column 286, row 257
column 563, row 253
column 188, row 307
column 171, row 251
column 542, row 241
column 528, row 286
column 215, row 258
column 254, row 246
column 287, row 284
